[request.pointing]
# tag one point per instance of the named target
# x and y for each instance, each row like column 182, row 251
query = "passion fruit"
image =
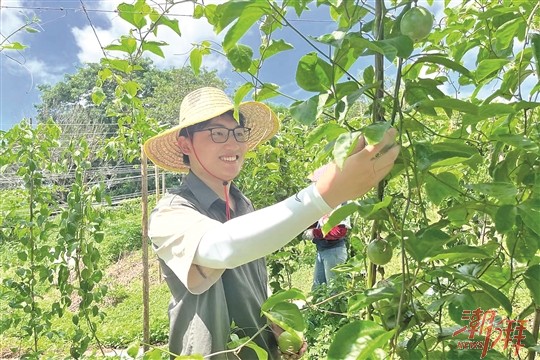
column 416, row 23
column 290, row 343
column 379, row 252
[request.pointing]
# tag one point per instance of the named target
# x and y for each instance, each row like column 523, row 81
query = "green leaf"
column 535, row 43
column 240, row 57
column 362, row 300
column 532, row 280
column 132, row 14
column 132, row 87
column 154, row 47
column 490, row 290
column 287, row 316
column 443, row 154
column 458, row 303
column 494, row 109
column 22, row 255
column 313, row 73
column 461, row 253
column 374, row 133
column 156, row 354
column 368, row 208
column 505, row 218
column 504, row 192
column 267, row 91
column 401, row 46
column 98, row 95
column 518, row 141
column 529, row 211
column 441, row 186
column 250, row 13
column 388, row 49
column 358, row 340
column 489, row 67
column 133, row 349
column 327, row 130
column 195, row 60
column 426, row 243
column 13, row 46
column 259, row 351
column 128, row 44
column 120, row 65
column 170, row 23
column 306, row 112
column 507, row 32
column 344, row 146
column 99, row 236
column 282, row 295
column 446, row 62
column 449, row 105
column 274, row 47
column 338, row 215
column 31, row 29
column 242, row 92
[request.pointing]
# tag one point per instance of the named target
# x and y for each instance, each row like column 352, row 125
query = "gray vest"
column 201, row 324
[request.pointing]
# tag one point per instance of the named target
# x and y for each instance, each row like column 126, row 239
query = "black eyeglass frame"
column 212, row 135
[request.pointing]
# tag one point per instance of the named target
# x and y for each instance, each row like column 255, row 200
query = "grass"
column 121, row 256
column 303, row 278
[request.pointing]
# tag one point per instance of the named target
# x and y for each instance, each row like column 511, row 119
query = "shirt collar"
column 204, row 195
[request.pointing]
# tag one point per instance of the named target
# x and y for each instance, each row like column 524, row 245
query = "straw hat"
column 201, row 105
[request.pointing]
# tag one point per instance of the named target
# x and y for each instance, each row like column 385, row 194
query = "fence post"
column 156, row 180
column 146, row 281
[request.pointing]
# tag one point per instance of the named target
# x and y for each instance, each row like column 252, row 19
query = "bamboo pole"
column 163, row 183
column 156, row 180
column 146, row 281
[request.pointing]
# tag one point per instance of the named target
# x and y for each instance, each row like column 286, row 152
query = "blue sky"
column 66, row 40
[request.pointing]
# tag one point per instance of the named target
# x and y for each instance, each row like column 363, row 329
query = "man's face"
column 222, row 160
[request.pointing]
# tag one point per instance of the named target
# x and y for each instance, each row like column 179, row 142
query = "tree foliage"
column 461, row 206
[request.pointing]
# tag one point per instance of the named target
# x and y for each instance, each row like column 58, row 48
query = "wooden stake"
column 146, row 281
column 156, row 180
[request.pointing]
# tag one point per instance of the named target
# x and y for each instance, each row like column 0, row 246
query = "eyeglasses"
column 221, row 134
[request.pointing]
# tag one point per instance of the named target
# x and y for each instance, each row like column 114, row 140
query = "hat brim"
column 163, row 149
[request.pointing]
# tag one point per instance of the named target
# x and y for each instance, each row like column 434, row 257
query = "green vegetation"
column 460, row 208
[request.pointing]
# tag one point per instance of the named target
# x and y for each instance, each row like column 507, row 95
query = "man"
column 211, row 243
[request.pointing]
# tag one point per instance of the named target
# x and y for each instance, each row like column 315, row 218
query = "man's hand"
column 298, row 355
column 289, row 355
column 362, row 170
column 308, row 234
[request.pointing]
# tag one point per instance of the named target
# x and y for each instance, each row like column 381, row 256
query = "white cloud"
column 38, row 70
column 23, row 63
column 176, row 52
column 11, row 20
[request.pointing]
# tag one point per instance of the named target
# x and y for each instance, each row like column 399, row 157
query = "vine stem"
column 536, row 326
column 32, row 257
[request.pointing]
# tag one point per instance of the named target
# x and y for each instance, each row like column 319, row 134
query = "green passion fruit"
column 290, row 343
column 379, row 252
column 416, row 23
